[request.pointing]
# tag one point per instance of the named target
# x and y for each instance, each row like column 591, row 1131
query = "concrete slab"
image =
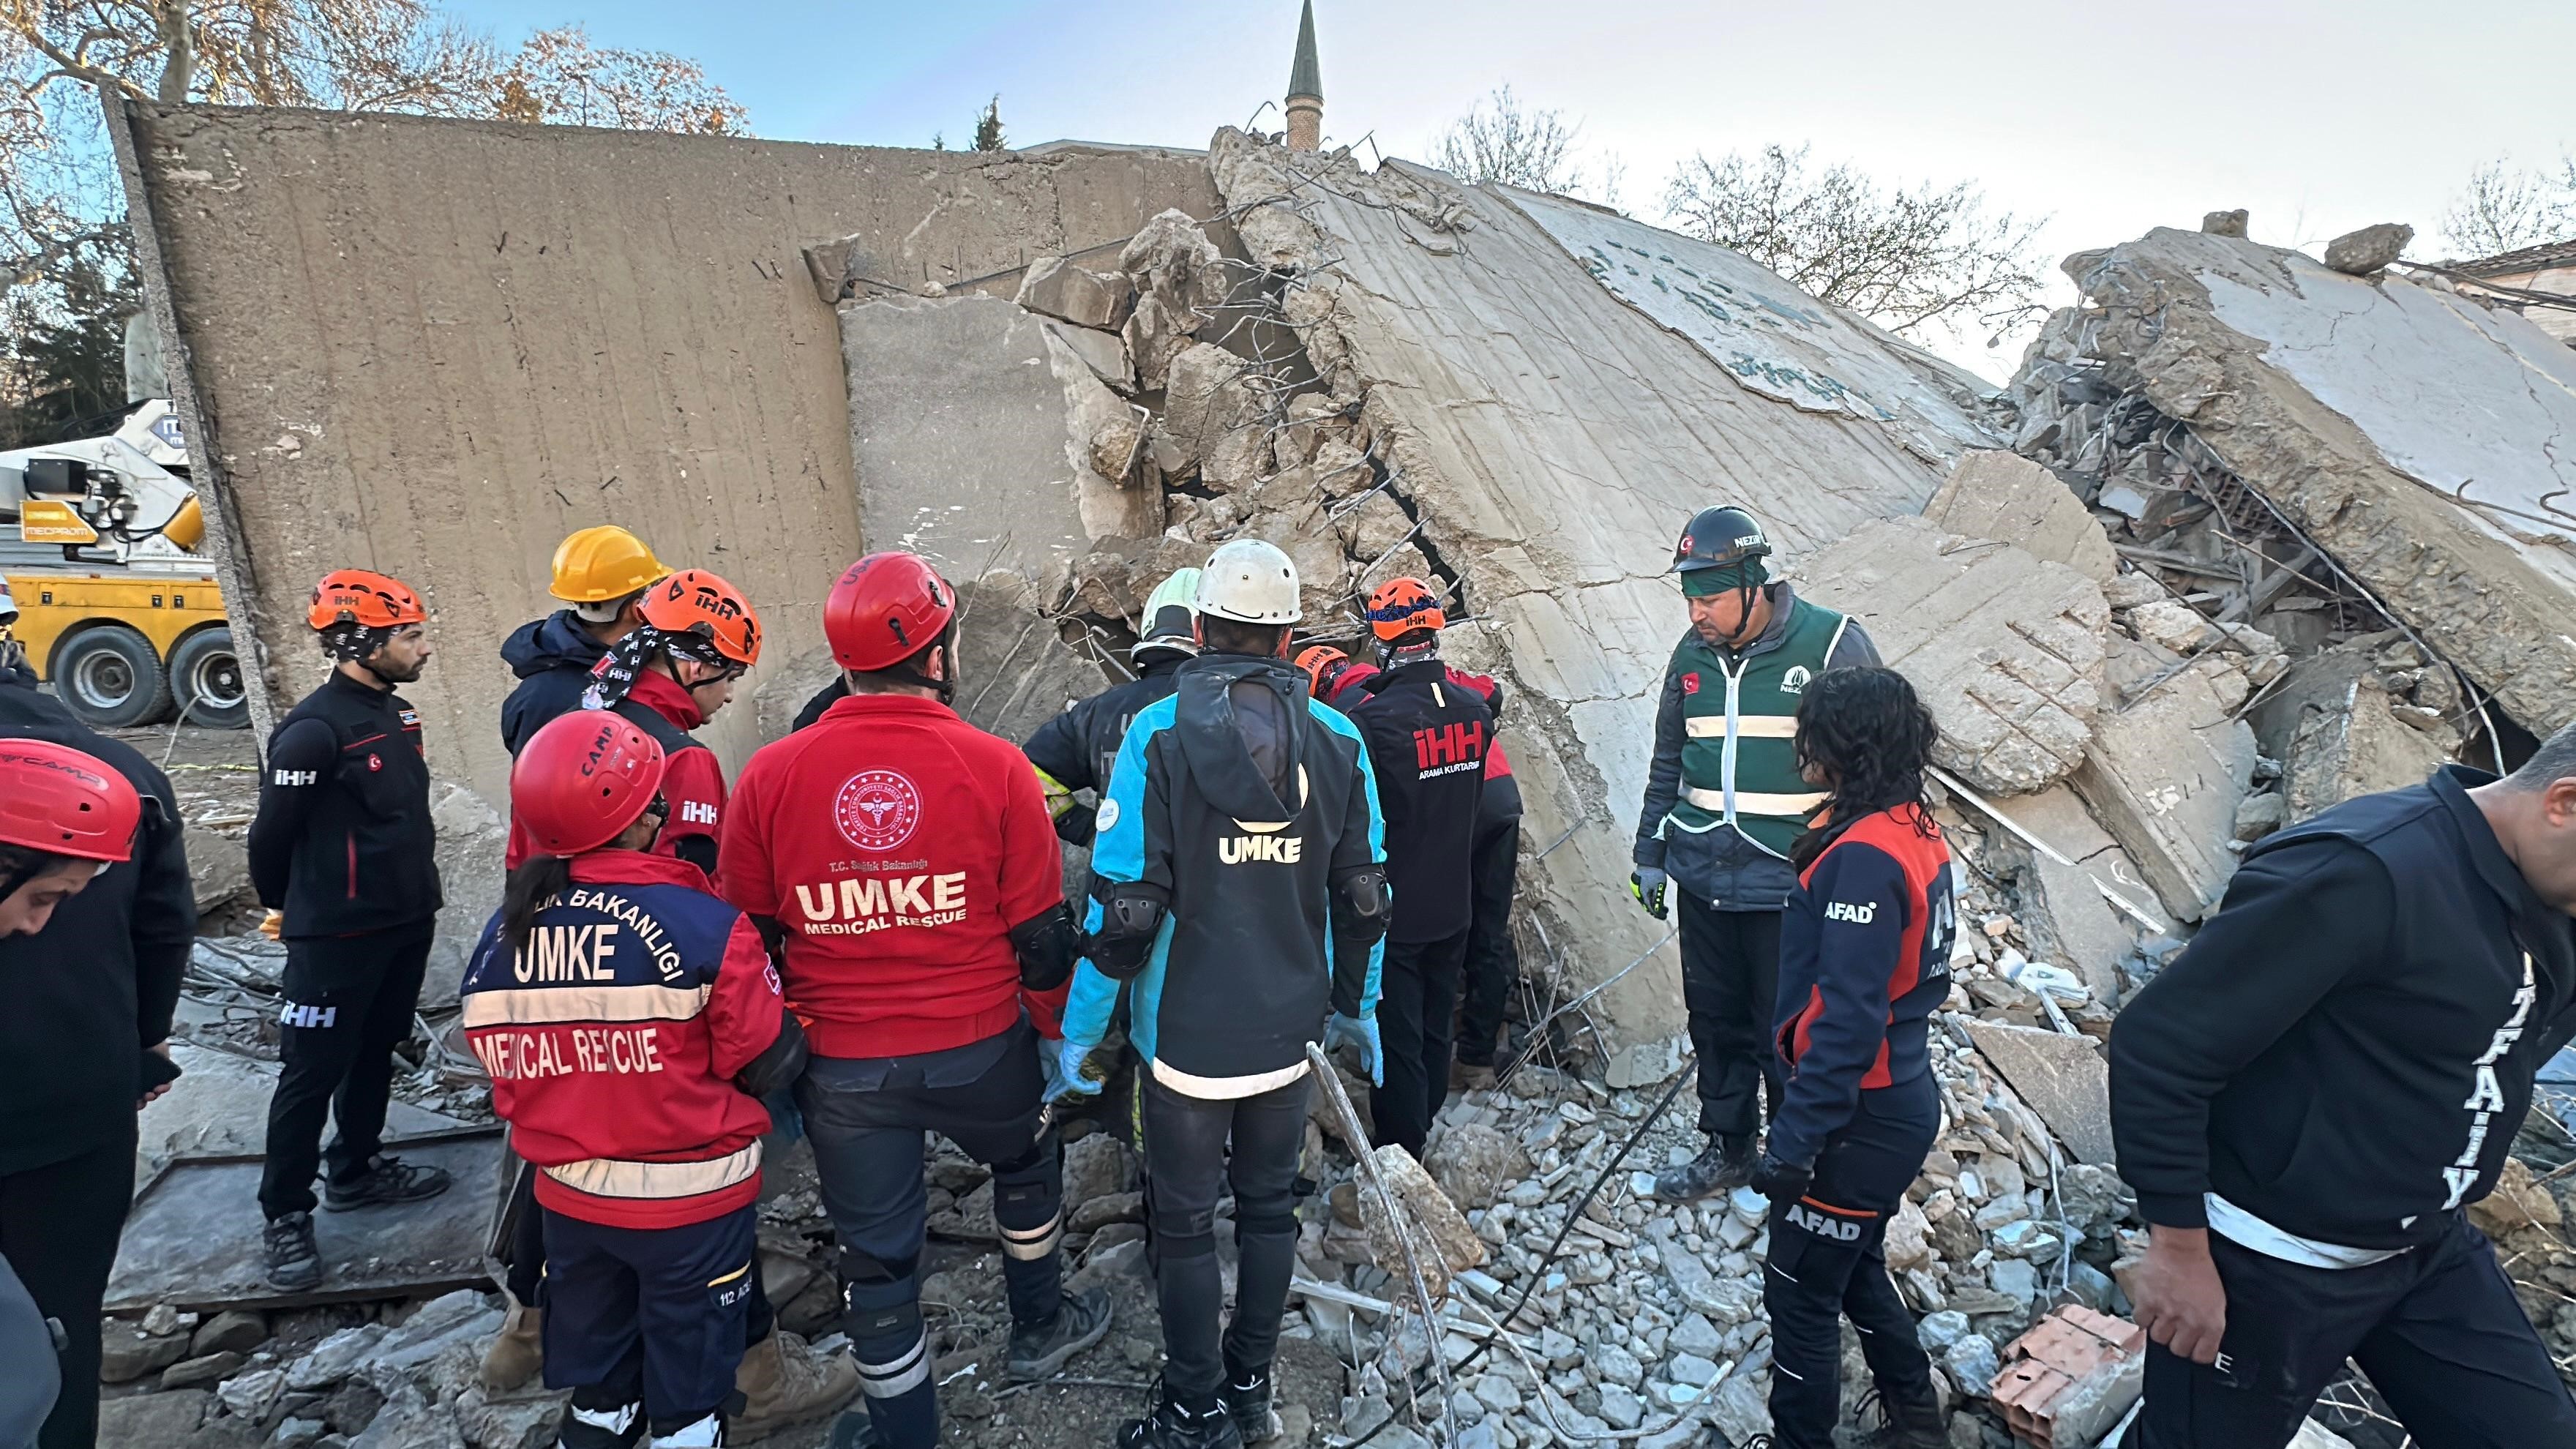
column 2330, row 726
column 194, row 1239
column 2001, row 495
column 2005, row 648
column 219, row 1108
column 2164, row 776
column 2063, row 1078
column 2068, row 919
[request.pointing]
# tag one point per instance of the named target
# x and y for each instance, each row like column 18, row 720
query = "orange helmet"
column 696, row 604
column 364, row 598
column 1319, row 660
column 1400, row 606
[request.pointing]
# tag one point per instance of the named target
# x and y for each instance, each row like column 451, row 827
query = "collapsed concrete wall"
column 2408, row 432
column 434, row 347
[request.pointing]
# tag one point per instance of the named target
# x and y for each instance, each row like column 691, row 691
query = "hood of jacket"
column 1236, row 722
column 557, row 641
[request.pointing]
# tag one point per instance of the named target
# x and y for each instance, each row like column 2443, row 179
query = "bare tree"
column 2504, row 208
column 560, row 76
column 1907, row 259
column 1531, row 147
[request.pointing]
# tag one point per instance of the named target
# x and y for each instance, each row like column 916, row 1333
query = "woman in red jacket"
column 630, row 1021
column 1864, row 962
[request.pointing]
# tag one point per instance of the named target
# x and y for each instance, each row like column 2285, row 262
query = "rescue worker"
column 1074, row 750
column 601, row 573
column 1427, row 739
column 630, row 1022
column 692, row 636
column 1723, row 803
column 96, row 920
column 904, row 861
column 1864, row 962
column 2309, row 1095
column 344, row 848
column 1493, row 959
column 1239, row 888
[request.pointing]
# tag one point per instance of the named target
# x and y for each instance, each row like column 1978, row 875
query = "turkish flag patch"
column 1690, row 682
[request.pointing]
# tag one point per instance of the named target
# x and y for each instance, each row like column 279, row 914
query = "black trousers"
column 1730, row 973
column 648, row 1315
column 1828, row 1262
column 868, row 1119
column 1194, row 1145
column 349, row 1002
column 2437, row 1330
column 1493, row 961
column 1416, row 1011
column 59, row 1225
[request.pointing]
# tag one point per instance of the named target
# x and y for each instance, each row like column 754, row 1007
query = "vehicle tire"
column 108, row 677
column 206, row 679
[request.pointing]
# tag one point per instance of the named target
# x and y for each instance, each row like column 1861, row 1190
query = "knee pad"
column 1265, row 1219
column 1028, row 1200
column 890, row 1348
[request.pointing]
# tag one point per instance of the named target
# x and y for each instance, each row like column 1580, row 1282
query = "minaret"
column 1306, row 89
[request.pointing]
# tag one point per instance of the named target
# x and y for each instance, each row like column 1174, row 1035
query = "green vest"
column 1739, row 756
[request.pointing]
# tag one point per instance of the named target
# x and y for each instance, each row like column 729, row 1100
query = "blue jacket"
column 1249, row 807
column 552, row 658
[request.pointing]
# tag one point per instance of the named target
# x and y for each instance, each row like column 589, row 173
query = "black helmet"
column 1728, row 541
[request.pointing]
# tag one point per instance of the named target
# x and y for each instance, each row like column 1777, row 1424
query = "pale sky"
column 2111, row 118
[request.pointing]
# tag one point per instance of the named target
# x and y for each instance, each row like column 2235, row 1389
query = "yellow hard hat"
column 603, row 563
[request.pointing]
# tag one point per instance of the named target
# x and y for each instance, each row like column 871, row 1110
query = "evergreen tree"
column 988, row 127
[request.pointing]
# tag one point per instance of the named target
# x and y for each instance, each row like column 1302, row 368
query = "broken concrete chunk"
column 2005, row 648
column 2062, row 1078
column 2360, row 253
column 1996, row 494
column 2518, row 1202
column 1171, row 257
column 1155, row 334
column 2164, row 775
column 1442, row 1242
column 2224, row 223
column 2066, row 917
column 1474, row 1162
column 1213, row 413
column 1105, row 353
column 2338, row 736
column 2171, row 624
column 2260, row 815
column 1084, row 298
column 2128, row 591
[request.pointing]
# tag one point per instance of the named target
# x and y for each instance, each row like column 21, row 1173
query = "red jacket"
column 612, row 1042
column 898, row 845
column 693, row 781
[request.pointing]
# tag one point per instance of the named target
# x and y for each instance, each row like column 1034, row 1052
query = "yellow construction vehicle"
column 116, row 609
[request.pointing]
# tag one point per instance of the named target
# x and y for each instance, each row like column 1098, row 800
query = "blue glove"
column 1647, row 884
column 1062, row 1063
column 1361, row 1032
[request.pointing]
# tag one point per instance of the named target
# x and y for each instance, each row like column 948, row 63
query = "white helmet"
column 1250, row 582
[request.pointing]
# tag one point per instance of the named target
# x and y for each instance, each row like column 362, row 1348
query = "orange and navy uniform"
column 613, row 1040
column 693, row 782
column 1864, row 962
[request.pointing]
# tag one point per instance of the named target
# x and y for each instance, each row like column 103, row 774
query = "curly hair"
column 1870, row 737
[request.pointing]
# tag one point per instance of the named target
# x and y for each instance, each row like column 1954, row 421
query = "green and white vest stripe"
column 1739, row 759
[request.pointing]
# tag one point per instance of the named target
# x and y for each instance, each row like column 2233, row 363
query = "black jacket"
column 1427, row 737
column 343, row 840
column 97, row 985
column 2347, row 1047
column 552, row 657
column 1076, row 748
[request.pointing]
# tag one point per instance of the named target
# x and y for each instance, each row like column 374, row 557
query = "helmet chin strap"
column 945, row 688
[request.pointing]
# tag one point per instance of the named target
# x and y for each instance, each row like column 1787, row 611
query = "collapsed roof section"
column 2424, row 443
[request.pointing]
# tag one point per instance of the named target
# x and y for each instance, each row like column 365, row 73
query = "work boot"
column 783, row 1382
column 1906, row 1420
column 619, row 1428
column 1081, row 1320
column 1723, row 1166
column 514, row 1357
column 1466, row 1076
column 386, row 1180
column 1171, row 1426
column 854, row 1430
column 294, row 1263
column 1246, row 1396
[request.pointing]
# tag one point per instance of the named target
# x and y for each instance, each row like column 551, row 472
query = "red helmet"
column 365, row 598
column 694, row 601
column 886, row 608
column 1319, row 661
column 582, row 779
column 1400, row 606
column 60, row 801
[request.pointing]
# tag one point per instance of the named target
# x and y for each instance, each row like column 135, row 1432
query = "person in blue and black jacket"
column 1239, row 883
column 1864, row 962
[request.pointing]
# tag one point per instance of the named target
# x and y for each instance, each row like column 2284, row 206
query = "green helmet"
column 1722, row 548
column 1169, row 616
